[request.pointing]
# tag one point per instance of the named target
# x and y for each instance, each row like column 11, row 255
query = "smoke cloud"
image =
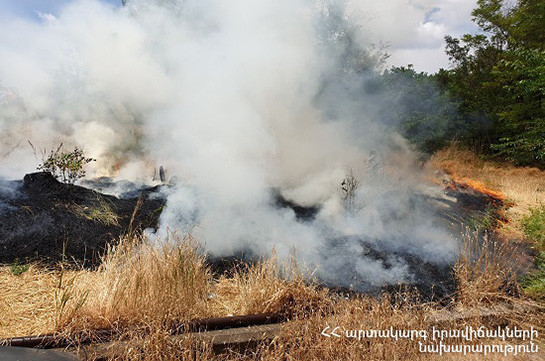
column 238, row 100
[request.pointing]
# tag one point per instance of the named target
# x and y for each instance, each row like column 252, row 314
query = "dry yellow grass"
column 139, row 281
column 301, row 338
column 524, row 186
column 26, row 302
column 143, row 286
column 268, row 287
column 143, row 282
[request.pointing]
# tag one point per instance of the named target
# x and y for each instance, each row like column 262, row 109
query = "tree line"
column 492, row 98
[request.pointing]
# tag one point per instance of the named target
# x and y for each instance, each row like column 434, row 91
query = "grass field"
column 143, row 285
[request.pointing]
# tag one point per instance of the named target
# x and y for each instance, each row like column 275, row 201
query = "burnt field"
column 45, row 221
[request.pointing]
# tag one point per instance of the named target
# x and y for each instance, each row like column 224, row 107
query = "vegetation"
column 534, row 229
column 418, row 108
column 142, row 286
column 66, row 166
column 17, row 268
column 499, row 77
column 534, row 282
column 534, row 226
column 493, row 97
column 524, row 186
column 101, row 212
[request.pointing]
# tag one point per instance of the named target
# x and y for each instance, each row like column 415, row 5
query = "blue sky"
column 29, row 8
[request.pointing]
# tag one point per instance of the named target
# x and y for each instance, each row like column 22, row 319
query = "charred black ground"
column 44, row 220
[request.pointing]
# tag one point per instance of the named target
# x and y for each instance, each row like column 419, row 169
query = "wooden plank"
column 233, row 336
column 220, row 340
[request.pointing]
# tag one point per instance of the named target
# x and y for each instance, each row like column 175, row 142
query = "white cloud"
column 415, row 29
column 46, row 17
column 422, row 59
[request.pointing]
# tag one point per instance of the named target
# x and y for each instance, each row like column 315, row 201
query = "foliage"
column 522, row 118
column 17, row 268
column 419, row 108
column 66, row 166
column 534, row 226
column 499, row 76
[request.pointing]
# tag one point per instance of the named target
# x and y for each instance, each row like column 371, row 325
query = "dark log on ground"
column 237, row 339
column 106, row 335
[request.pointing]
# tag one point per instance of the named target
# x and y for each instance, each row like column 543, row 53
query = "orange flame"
column 478, row 186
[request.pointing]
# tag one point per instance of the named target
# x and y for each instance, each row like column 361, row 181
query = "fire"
column 497, row 199
column 477, row 186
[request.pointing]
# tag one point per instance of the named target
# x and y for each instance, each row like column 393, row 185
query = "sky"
column 413, row 30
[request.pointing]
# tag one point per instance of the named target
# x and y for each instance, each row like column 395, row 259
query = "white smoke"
column 234, row 98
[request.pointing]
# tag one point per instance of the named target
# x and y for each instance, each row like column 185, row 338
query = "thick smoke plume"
column 239, row 101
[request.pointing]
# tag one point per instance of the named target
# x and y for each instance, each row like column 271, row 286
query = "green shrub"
column 66, row 166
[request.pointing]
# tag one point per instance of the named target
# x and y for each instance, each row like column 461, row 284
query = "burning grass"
column 523, row 187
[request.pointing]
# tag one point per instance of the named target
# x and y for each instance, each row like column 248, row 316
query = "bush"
column 66, row 166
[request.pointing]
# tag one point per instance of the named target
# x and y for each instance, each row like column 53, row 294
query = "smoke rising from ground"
column 235, row 99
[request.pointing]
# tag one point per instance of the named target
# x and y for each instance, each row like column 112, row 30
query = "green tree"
column 419, row 108
column 499, row 77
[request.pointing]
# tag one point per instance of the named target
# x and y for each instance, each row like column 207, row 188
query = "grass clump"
column 534, row 283
column 27, row 301
column 101, row 212
column 534, row 226
column 139, row 282
column 485, row 272
column 17, row 268
column 269, row 286
column 482, row 221
column 534, row 229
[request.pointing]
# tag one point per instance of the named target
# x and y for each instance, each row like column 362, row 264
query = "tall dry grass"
column 269, row 286
column 485, row 283
column 27, row 301
column 142, row 286
column 486, row 272
column 142, row 282
column 139, row 281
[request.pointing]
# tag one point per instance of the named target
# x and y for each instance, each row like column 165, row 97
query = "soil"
column 42, row 219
